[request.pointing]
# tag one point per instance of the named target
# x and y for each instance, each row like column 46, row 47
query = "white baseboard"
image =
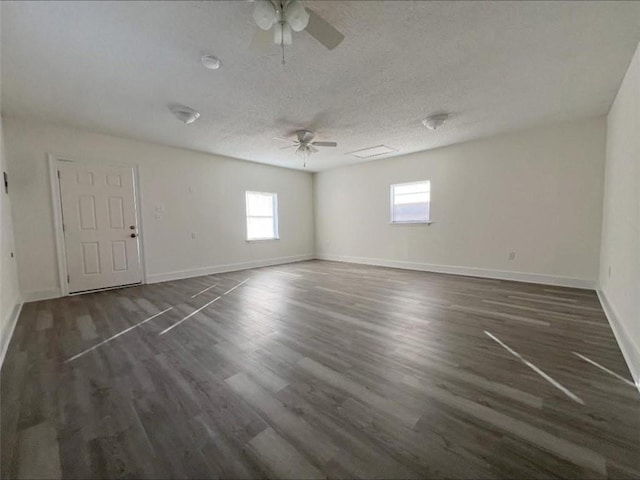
column 630, row 351
column 467, row 271
column 42, row 295
column 181, row 274
column 11, row 326
column 231, row 267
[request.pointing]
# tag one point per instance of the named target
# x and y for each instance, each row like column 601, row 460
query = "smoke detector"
column 434, row 122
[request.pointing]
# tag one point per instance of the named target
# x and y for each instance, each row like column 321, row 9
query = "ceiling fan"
column 287, row 16
column 304, row 144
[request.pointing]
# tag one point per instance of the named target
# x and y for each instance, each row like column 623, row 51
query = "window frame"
column 274, row 199
column 392, row 204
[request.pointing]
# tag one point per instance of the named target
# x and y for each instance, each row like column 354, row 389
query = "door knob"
column 134, row 235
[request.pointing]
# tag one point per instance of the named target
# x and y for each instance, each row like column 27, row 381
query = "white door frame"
column 56, row 204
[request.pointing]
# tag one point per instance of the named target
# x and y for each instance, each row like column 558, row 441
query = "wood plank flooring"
column 319, row 370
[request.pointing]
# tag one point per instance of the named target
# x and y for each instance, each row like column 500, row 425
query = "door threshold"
column 81, row 292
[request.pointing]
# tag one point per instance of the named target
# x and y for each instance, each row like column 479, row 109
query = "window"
column 262, row 216
column 410, row 202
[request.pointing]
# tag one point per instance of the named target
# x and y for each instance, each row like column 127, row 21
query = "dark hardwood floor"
column 319, row 369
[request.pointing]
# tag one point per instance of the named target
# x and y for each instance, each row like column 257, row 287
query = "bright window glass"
column 410, row 202
column 262, row 216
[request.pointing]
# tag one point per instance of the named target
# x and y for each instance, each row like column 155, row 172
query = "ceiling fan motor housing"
column 304, row 136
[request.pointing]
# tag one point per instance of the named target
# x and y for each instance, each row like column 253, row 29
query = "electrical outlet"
column 512, row 255
column 609, row 271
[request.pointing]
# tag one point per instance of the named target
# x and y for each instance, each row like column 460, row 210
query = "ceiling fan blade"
column 322, row 31
column 282, row 139
column 289, row 146
column 313, row 149
column 325, row 144
column 261, row 41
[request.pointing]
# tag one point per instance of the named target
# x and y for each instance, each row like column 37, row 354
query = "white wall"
column 620, row 255
column 214, row 210
column 10, row 300
column 537, row 193
column 9, row 293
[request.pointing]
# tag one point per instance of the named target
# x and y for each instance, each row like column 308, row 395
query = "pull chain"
column 282, row 29
column 282, row 40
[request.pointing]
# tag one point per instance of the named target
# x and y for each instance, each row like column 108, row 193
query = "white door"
column 99, row 224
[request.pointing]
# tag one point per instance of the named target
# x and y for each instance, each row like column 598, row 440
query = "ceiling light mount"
column 186, row 115
column 434, row 122
column 210, row 62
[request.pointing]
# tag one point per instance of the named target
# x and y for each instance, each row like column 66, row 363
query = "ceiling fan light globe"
column 264, row 14
column 296, row 16
column 287, row 35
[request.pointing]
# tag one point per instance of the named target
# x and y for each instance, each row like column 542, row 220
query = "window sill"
column 410, row 223
column 261, row 239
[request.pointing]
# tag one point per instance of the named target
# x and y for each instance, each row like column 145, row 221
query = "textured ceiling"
column 114, row 67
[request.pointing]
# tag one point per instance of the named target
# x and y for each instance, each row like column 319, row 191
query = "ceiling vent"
column 373, row 151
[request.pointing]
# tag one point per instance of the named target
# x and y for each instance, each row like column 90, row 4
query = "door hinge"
column 58, row 173
column 63, row 229
column 67, row 278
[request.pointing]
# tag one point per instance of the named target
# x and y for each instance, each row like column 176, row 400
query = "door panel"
column 99, row 217
column 116, row 213
column 119, row 255
column 90, row 258
column 87, row 212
